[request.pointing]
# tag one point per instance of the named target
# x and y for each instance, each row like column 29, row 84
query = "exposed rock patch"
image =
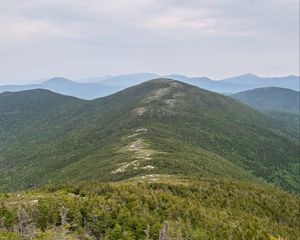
column 140, row 150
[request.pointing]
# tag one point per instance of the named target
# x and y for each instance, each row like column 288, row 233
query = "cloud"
column 103, row 30
column 96, row 18
column 181, row 20
column 21, row 29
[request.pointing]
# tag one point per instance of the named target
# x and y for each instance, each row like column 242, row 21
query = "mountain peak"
column 249, row 75
column 57, row 80
column 164, row 80
column 161, row 96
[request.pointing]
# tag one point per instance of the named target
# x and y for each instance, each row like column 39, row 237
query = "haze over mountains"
column 103, row 86
column 66, row 87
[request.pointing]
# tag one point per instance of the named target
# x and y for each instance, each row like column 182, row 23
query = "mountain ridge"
column 157, row 127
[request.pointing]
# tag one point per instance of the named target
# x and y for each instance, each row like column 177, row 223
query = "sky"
column 40, row 39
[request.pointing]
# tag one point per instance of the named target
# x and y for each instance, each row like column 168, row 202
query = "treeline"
column 162, row 208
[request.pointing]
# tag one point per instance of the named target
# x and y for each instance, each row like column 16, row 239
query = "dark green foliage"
column 216, row 208
column 50, row 138
column 288, row 123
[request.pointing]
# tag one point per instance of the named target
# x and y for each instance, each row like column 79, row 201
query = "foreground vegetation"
column 151, row 207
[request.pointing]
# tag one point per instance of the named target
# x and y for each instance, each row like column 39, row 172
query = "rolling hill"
column 157, row 127
column 280, row 105
column 271, row 99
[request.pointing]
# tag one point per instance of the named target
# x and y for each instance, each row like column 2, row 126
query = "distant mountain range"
column 92, row 88
column 158, row 127
column 66, row 87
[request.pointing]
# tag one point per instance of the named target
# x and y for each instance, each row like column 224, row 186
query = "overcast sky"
column 40, row 39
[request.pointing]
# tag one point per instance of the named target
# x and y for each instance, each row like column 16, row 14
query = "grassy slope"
column 207, row 208
column 190, row 131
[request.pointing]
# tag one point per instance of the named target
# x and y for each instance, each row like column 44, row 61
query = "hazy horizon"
column 91, row 79
column 80, row 39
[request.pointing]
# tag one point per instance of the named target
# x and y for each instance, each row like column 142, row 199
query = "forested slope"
column 158, row 127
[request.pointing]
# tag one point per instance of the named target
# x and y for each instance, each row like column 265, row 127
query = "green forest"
column 153, row 207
